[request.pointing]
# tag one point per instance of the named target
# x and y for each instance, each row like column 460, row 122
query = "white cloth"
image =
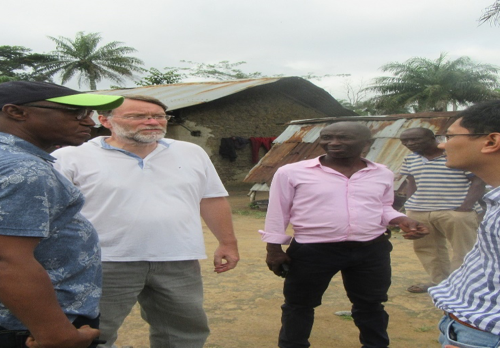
column 143, row 209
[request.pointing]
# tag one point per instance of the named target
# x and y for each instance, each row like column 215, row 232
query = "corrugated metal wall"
column 300, row 141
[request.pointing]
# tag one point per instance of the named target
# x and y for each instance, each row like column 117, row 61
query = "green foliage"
column 431, row 85
column 370, row 108
column 491, row 14
column 312, row 76
column 18, row 63
column 358, row 107
column 91, row 63
column 252, row 213
column 156, row 77
column 424, row 328
column 221, row 71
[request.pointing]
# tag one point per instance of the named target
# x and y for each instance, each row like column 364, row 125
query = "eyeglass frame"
column 84, row 112
column 165, row 117
column 443, row 138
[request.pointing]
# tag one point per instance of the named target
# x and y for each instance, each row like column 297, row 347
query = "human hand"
column 229, row 254
column 83, row 339
column 277, row 260
column 415, row 235
column 412, row 229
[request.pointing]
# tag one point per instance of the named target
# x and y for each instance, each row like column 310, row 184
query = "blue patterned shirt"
column 37, row 201
column 472, row 292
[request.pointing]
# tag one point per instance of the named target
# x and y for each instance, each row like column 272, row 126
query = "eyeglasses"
column 141, row 117
column 444, row 138
column 79, row 114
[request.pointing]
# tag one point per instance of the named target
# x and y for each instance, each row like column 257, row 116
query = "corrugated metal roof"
column 299, row 141
column 181, row 95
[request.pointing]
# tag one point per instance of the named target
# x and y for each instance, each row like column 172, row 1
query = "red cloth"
column 257, row 143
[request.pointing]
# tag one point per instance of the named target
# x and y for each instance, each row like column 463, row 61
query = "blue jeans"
column 366, row 274
column 171, row 298
column 461, row 336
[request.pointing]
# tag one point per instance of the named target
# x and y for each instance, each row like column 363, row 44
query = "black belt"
column 383, row 237
column 13, row 338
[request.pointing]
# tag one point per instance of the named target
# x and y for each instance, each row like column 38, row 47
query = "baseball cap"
column 22, row 92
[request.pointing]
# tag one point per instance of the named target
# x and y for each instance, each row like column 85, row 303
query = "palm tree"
column 491, row 14
column 91, row 63
column 19, row 63
column 431, row 85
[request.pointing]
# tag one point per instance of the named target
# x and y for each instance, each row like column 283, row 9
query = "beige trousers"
column 457, row 228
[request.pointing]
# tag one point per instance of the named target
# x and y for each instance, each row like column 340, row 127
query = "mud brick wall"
column 251, row 113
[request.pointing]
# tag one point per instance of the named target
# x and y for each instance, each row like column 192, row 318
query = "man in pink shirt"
column 339, row 205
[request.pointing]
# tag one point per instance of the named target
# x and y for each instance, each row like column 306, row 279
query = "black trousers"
column 17, row 338
column 366, row 274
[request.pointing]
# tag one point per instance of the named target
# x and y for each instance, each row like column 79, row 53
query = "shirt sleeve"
column 25, row 199
column 404, row 168
column 278, row 210
column 214, row 187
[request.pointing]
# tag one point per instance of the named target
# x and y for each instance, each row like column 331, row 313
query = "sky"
column 289, row 37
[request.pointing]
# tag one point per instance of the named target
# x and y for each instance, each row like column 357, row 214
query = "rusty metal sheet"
column 300, row 141
column 279, row 155
column 181, row 95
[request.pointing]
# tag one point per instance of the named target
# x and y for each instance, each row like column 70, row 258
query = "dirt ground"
column 243, row 305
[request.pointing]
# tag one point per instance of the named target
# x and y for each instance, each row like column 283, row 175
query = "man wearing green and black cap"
column 50, row 271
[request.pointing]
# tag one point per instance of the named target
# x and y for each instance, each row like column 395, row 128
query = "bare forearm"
column 475, row 192
column 216, row 213
column 274, row 248
column 411, row 186
column 26, row 290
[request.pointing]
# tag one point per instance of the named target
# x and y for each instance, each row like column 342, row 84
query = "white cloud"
column 291, row 37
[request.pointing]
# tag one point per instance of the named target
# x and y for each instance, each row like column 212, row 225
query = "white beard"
column 137, row 136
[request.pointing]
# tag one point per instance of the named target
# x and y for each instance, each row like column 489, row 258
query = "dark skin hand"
column 412, row 229
column 275, row 258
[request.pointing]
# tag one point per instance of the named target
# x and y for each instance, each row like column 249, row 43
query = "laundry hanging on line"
column 257, row 143
column 228, row 147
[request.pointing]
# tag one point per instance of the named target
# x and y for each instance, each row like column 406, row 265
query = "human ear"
column 15, row 112
column 104, row 121
column 492, row 143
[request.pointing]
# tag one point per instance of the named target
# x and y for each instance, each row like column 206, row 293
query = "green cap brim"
column 91, row 101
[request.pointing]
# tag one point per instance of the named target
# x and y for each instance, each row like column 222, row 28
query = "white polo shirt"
column 143, row 209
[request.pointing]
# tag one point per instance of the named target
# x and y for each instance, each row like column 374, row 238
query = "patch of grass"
column 344, row 315
column 424, row 328
column 254, row 213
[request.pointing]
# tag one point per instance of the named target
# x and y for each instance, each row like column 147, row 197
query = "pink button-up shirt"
column 324, row 206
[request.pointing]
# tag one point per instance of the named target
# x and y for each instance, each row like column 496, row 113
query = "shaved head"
column 425, row 132
column 355, row 127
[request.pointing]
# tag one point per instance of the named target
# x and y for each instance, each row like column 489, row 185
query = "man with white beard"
column 144, row 195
